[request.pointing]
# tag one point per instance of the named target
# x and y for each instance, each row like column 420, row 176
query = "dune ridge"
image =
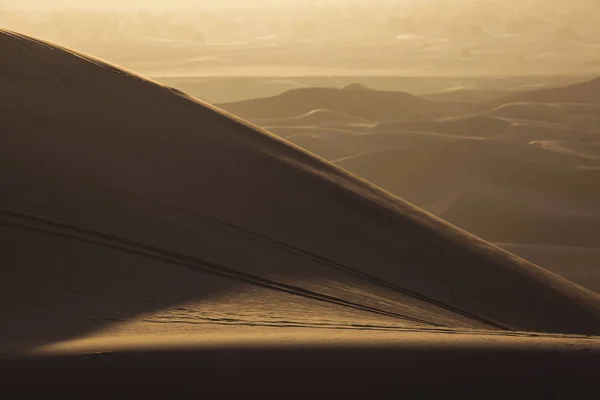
column 372, row 105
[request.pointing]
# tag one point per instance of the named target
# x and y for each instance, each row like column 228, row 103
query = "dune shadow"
column 59, row 288
column 84, row 258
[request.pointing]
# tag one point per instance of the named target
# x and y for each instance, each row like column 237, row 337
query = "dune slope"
column 503, row 191
column 112, row 185
column 312, row 118
column 584, row 92
column 372, row 105
column 477, row 126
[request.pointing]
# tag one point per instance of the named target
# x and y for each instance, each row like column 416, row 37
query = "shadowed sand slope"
column 373, row 105
column 123, row 200
column 267, row 362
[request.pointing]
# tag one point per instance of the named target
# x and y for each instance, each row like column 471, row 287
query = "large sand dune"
column 124, row 202
column 372, row 105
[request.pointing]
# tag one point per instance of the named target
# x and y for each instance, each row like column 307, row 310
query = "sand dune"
column 470, row 126
column 267, row 362
column 509, row 191
column 527, row 131
column 372, row 105
column 584, row 92
column 586, row 151
column 470, row 95
column 578, row 264
column 356, row 86
column 314, row 117
column 548, row 113
column 373, row 143
column 336, row 144
column 124, row 202
column 324, row 142
column 499, row 214
column 323, row 132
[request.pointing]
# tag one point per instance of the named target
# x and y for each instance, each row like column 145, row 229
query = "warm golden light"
column 388, row 192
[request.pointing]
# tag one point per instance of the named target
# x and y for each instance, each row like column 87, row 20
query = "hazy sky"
column 155, row 4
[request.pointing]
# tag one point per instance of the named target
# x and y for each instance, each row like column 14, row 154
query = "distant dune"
column 373, row 143
column 127, row 206
column 329, row 143
column 356, row 86
column 579, row 264
column 588, row 151
column 471, row 95
column 584, row 92
column 549, row 113
column 313, row 117
column 373, row 105
column 527, row 131
column 511, row 191
column 474, row 126
column 337, row 143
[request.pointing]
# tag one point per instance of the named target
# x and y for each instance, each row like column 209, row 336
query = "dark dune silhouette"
column 125, row 200
column 373, row 105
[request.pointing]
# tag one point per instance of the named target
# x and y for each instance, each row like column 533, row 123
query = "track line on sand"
column 290, row 249
column 58, row 229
